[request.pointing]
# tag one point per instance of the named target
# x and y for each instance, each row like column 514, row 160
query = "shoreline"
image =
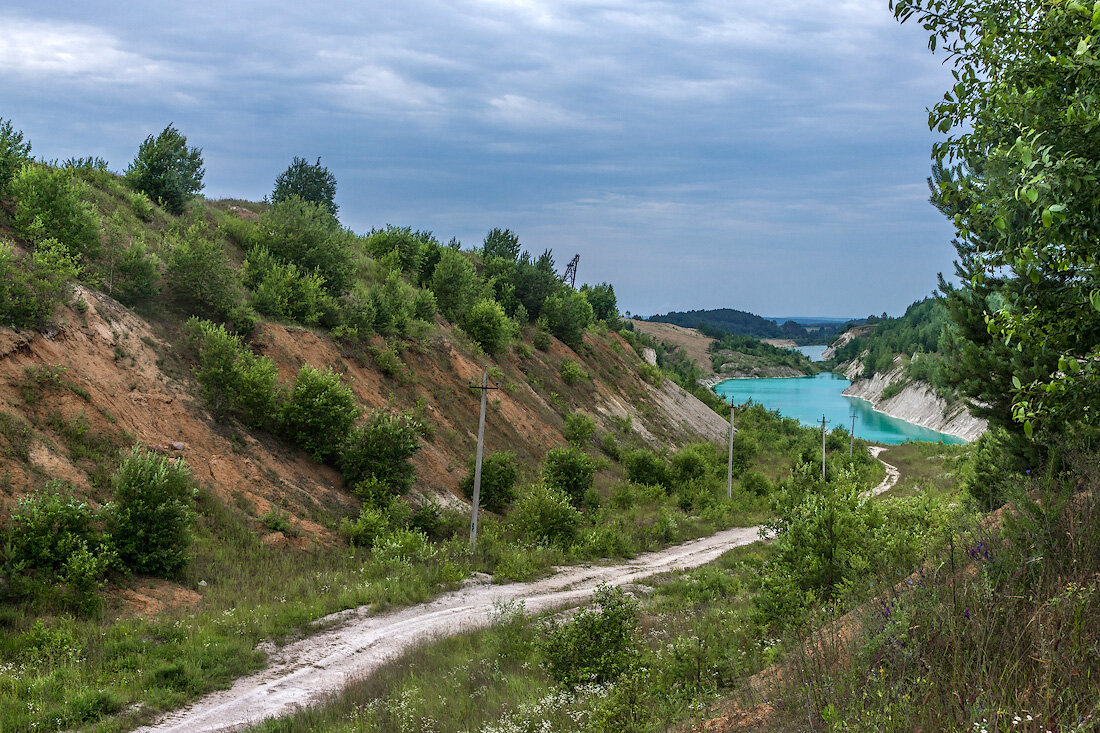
column 713, row 382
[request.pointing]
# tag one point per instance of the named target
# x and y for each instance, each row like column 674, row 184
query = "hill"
column 715, row 322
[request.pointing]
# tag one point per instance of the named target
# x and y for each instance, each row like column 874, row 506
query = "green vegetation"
column 319, row 412
column 596, row 645
column 379, row 449
column 731, row 350
column 150, row 520
column 49, row 206
column 15, row 152
column 499, row 473
column 234, row 381
column 167, row 170
column 310, row 182
column 569, row 470
column 727, row 321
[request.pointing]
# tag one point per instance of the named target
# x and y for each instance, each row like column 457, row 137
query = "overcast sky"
column 767, row 156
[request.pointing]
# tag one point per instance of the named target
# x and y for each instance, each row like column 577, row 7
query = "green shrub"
column 571, row 372
column 306, row 235
column 992, row 467
column 438, row 522
column 693, row 463
column 822, row 544
column 393, row 304
column 541, row 339
column 486, row 323
column 135, row 273
column 203, row 281
column 283, row 290
column 646, row 467
column 596, row 645
column 277, row 519
column 651, row 374
column 568, row 314
column 234, row 381
column 546, row 513
column 579, row 428
column 371, row 523
column 380, row 448
column 610, row 446
column 32, row 287
column 48, row 205
column 893, row 389
column 14, row 153
column 167, row 170
column 152, row 513
column 569, row 470
column 319, row 413
column 423, row 305
column 499, row 472
column 53, row 535
column 602, row 299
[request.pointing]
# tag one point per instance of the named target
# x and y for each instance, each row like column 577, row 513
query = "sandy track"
column 892, row 473
column 304, row 672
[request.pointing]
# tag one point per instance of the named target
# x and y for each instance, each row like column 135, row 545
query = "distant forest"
column 722, row 321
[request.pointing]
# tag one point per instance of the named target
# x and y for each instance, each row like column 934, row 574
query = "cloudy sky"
column 767, row 156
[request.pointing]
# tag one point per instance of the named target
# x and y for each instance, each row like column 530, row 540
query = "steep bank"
column 916, row 402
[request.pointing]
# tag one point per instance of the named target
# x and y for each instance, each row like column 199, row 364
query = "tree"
column 455, row 284
column 568, row 314
column 501, row 243
column 311, row 182
column 167, row 170
column 602, row 299
column 14, row 152
column 1023, row 147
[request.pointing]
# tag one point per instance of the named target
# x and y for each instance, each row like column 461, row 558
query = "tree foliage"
column 14, row 152
column 311, row 182
column 167, row 170
column 1022, row 147
column 501, row 243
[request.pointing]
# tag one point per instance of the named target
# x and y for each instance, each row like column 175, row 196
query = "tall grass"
column 998, row 632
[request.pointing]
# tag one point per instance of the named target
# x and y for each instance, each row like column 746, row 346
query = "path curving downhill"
column 301, row 674
column 892, row 473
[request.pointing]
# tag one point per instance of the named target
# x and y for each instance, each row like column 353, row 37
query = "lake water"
column 807, row 398
column 812, row 352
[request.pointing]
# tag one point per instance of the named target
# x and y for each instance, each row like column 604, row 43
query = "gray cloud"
column 678, row 146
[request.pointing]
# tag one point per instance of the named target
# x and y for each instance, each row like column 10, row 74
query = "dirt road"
column 302, row 673
column 892, row 473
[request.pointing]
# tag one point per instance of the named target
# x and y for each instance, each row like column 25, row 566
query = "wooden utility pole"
column 852, row 436
column 729, row 468
column 480, row 451
column 822, row 448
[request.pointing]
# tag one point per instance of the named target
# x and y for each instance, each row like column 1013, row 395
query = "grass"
column 998, row 632
column 925, row 468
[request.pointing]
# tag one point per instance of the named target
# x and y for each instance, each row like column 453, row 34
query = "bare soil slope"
column 106, row 379
column 695, row 344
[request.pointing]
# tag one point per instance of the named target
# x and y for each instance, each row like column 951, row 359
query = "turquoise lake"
column 806, row 399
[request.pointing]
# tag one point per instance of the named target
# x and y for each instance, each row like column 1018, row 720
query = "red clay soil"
column 124, row 381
